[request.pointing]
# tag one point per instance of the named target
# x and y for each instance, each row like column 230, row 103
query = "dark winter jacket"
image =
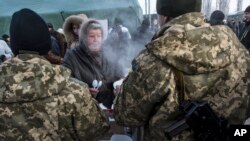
column 87, row 68
column 245, row 35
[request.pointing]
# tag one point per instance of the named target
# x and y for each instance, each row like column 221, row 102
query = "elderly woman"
column 89, row 63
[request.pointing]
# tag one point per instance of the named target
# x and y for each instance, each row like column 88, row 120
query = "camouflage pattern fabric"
column 40, row 102
column 215, row 68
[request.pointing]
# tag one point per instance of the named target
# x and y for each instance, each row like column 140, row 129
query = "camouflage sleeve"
column 84, row 120
column 146, row 86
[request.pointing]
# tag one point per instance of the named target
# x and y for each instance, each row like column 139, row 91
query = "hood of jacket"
column 30, row 77
column 67, row 26
column 192, row 46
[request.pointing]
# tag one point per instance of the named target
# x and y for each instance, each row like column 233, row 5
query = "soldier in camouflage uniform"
column 40, row 101
column 212, row 61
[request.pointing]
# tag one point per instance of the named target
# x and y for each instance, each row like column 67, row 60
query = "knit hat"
column 217, row 18
column 5, row 36
column 29, row 32
column 217, row 15
column 174, row 8
column 247, row 9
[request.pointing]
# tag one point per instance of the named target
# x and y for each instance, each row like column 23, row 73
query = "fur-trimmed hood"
column 67, row 26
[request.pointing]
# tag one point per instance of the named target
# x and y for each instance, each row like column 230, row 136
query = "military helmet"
column 174, row 8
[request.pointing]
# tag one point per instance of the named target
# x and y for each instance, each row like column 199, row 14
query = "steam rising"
column 124, row 56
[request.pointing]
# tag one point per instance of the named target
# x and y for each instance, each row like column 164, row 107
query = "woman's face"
column 75, row 29
column 94, row 40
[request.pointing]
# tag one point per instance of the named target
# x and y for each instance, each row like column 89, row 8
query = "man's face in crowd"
column 247, row 16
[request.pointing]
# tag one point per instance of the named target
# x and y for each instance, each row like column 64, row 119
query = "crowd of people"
column 53, row 81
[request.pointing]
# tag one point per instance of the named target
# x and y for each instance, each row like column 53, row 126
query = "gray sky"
column 232, row 7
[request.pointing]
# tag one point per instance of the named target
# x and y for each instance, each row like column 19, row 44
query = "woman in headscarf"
column 89, row 63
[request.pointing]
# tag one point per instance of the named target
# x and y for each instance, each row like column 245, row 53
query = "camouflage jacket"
column 214, row 65
column 40, row 102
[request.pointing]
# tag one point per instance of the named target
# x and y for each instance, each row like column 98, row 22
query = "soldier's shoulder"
column 77, row 92
column 76, row 84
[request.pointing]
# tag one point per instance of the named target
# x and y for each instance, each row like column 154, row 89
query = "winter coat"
column 54, row 46
column 40, row 101
column 245, row 35
column 58, row 48
column 61, row 41
column 214, row 66
column 87, row 69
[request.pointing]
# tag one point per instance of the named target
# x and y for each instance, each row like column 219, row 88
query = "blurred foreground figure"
column 40, row 101
column 208, row 62
column 217, row 18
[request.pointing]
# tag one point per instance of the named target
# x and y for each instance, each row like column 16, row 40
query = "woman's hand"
column 117, row 89
column 93, row 92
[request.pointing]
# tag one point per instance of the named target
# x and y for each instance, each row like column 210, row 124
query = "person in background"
column 71, row 29
column 119, row 31
column 118, row 40
column 234, row 26
column 187, row 59
column 155, row 25
column 58, row 46
column 62, row 41
column 6, row 38
column 40, row 101
column 55, row 49
column 88, row 63
column 245, row 32
column 60, row 30
column 142, row 36
column 144, row 33
column 51, row 28
column 5, row 51
column 217, row 18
